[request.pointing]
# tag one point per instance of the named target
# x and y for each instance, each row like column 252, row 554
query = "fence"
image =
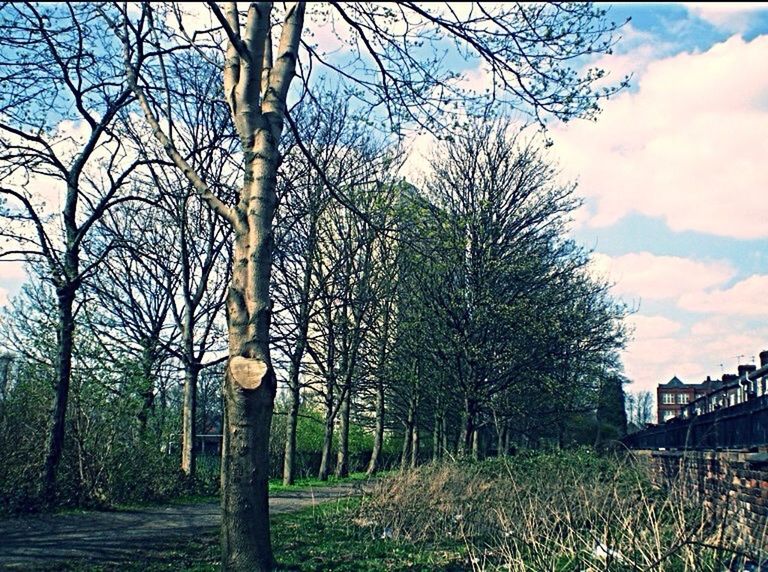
column 741, row 426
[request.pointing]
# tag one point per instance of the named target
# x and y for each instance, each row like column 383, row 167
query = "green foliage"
column 109, row 458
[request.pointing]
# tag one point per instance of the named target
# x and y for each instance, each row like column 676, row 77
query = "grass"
column 331, row 537
column 276, row 485
column 321, row 538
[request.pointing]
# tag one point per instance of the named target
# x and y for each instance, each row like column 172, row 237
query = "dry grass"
column 564, row 511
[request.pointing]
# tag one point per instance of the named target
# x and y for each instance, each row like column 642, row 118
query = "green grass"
column 276, row 485
column 329, row 537
column 324, row 537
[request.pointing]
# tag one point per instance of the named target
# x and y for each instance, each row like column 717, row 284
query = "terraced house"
column 677, row 399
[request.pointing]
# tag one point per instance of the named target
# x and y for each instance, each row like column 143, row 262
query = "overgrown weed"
column 559, row 511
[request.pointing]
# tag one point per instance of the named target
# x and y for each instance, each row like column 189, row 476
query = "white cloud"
column 745, row 298
column 727, row 321
column 688, row 145
column 731, row 16
column 652, row 277
column 663, row 348
column 653, row 327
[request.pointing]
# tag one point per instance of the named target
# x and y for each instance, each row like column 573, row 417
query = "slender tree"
column 63, row 89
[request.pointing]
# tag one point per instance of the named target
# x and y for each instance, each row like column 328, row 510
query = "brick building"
column 673, row 397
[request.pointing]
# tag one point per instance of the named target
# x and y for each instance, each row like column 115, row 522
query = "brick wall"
column 732, row 486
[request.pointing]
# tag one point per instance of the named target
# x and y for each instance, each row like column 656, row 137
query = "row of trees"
column 454, row 308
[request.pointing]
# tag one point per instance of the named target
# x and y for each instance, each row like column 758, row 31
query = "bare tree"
column 135, row 294
column 62, row 91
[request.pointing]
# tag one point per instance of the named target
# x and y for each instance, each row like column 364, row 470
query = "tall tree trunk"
column 325, row 458
column 189, row 414
column 148, row 386
column 290, row 430
column 468, row 431
column 407, row 438
column 250, row 384
column 378, row 436
column 444, row 432
column 294, row 375
column 436, row 427
column 415, row 444
column 189, row 407
column 256, row 88
column 342, row 458
column 55, row 445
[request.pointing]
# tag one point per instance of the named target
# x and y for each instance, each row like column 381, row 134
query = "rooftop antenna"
column 738, row 357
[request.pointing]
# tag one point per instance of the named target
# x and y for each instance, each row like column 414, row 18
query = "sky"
column 673, row 175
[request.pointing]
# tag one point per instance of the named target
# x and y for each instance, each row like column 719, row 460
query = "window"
column 682, row 398
column 668, row 415
column 668, row 398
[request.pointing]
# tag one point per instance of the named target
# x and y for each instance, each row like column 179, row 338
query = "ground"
column 44, row 541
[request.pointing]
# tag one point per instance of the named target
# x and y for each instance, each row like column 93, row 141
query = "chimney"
column 763, row 358
column 745, row 369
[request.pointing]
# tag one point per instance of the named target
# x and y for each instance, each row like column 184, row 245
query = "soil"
column 42, row 541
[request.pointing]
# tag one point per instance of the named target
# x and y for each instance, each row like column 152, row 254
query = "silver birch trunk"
column 256, row 88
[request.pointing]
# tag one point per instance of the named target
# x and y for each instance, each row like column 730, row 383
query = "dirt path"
column 29, row 542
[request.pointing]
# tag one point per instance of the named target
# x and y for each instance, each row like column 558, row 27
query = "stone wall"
column 732, row 486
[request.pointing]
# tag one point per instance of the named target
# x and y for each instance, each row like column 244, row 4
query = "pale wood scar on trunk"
column 248, row 373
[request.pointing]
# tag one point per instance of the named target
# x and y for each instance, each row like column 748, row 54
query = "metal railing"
column 740, row 426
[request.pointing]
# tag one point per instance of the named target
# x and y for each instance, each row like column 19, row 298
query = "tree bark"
column 469, row 429
column 148, row 386
column 436, row 427
column 55, row 445
column 325, row 459
column 407, row 437
column 189, row 415
column 290, row 431
column 378, row 436
column 444, row 432
column 415, row 444
column 342, row 458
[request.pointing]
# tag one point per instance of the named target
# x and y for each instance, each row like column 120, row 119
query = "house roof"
column 709, row 384
column 674, row 382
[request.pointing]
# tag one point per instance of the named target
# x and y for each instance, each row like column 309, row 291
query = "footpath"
column 41, row 541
